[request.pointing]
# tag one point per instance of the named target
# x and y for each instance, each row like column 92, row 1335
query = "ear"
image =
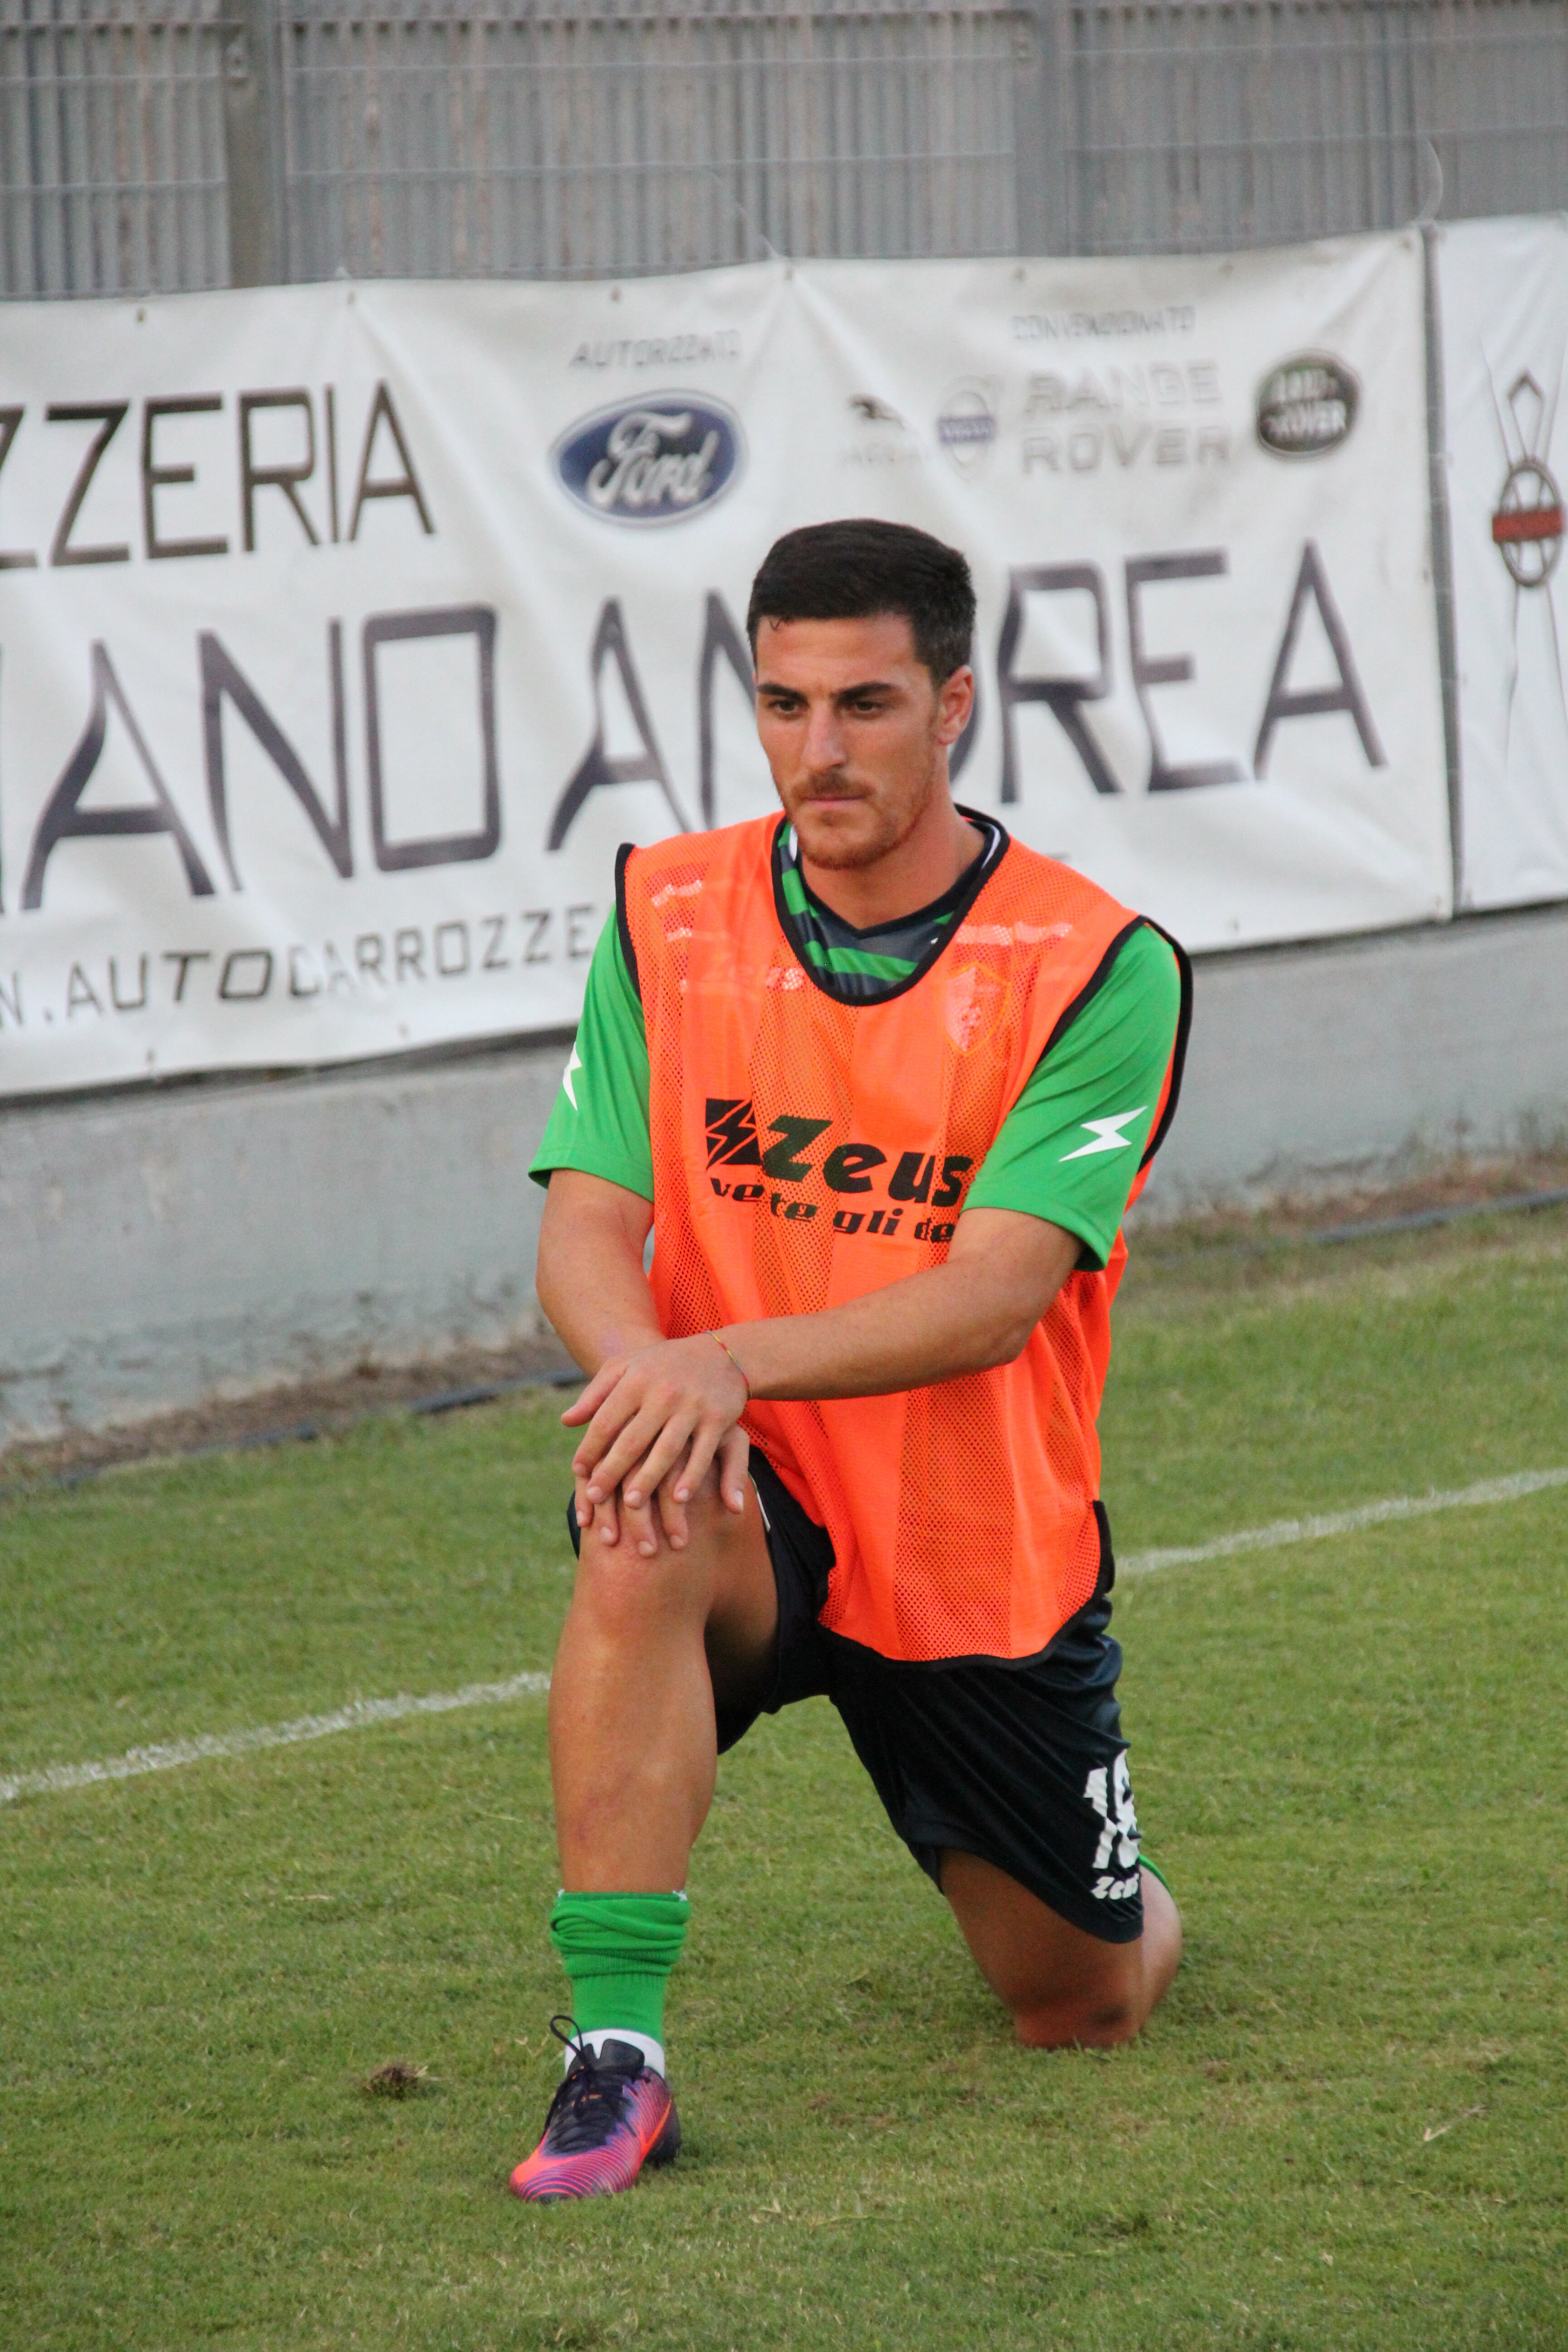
column 954, row 700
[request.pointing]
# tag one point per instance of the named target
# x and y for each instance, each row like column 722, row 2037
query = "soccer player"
column 882, row 1082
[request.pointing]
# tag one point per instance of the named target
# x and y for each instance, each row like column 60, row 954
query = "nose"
column 823, row 750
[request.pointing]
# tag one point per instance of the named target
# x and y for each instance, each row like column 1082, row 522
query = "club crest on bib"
column 975, row 999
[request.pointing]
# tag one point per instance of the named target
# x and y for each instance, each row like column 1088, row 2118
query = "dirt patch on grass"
column 396, row 2080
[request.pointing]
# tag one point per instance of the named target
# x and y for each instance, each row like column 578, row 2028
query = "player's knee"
column 1102, row 2027
column 624, row 1590
column 1093, row 2021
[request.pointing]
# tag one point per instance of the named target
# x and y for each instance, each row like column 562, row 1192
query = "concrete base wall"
column 1370, row 1059
column 159, row 1249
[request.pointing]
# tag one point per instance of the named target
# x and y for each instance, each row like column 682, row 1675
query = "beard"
column 881, row 830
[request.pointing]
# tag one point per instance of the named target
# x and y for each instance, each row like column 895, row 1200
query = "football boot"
column 612, row 2115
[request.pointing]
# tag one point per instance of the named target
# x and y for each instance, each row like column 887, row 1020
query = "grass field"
column 1346, row 2129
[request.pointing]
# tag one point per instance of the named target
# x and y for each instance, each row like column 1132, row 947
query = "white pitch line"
column 1346, row 1523
column 363, row 1712
column 355, row 1716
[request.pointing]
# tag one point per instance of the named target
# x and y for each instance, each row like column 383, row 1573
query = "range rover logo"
column 1307, row 406
column 654, row 460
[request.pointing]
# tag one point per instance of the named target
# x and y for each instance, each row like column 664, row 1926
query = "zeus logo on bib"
column 654, row 460
column 783, row 1153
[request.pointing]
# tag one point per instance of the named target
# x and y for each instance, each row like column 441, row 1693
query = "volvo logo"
column 1307, row 406
column 654, row 460
column 966, row 426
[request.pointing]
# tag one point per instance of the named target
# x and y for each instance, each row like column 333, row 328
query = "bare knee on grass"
column 1094, row 2023
column 1089, row 2007
column 1062, row 1987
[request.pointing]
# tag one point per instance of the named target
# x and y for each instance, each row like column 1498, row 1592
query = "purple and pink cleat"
column 612, row 2115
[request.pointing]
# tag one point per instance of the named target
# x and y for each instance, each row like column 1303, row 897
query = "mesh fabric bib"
column 805, row 1152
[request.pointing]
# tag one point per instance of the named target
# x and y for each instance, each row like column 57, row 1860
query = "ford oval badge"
column 658, row 459
column 1307, row 406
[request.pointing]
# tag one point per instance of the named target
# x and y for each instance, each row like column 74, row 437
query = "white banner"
column 344, row 631
column 1503, row 299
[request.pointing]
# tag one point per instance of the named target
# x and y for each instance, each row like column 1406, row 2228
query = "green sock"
column 619, row 1951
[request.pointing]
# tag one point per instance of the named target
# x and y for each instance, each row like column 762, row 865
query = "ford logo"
column 1307, row 406
column 653, row 460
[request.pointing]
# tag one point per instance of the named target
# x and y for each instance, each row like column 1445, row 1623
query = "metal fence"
column 620, row 135
column 112, row 165
column 149, row 144
column 1199, row 124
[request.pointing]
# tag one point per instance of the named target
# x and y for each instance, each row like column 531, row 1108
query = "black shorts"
column 1020, row 1762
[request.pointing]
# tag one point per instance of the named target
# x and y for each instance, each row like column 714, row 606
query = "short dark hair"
column 852, row 571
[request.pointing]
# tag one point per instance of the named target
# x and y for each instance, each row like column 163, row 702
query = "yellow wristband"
column 730, row 1353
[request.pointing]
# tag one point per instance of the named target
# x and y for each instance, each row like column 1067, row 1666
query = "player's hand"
column 656, row 1420
column 644, row 1523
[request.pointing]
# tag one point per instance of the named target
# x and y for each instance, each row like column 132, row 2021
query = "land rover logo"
column 654, row 460
column 1307, row 406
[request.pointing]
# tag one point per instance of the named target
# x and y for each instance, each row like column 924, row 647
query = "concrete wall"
column 1369, row 1059
column 159, row 1249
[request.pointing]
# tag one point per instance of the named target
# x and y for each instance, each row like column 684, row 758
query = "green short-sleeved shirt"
column 1068, row 1151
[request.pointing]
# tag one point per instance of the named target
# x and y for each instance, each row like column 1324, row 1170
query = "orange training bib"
column 807, row 1151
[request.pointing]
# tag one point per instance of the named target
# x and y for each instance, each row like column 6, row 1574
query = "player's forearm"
column 673, row 1405
column 962, row 1317
column 590, row 1278
column 599, row 1311
column 903, row 1336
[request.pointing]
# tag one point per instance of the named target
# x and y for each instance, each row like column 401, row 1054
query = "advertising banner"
column 346, row 630
column 1503, row 299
